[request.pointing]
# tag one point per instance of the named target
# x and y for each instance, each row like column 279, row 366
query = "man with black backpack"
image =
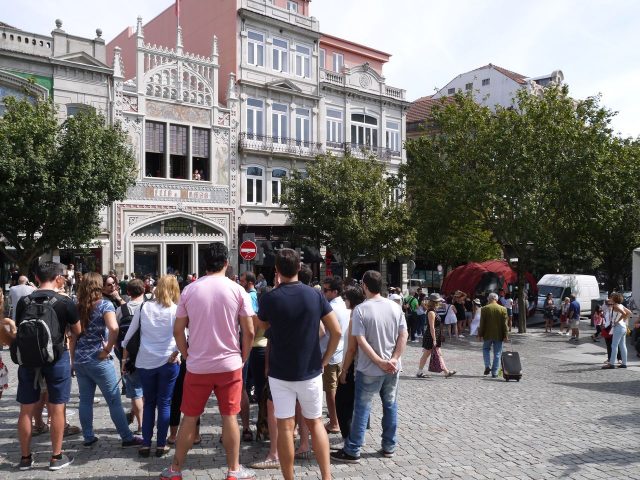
column 42, row 319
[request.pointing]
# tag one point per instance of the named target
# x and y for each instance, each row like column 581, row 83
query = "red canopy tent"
column 481, row 278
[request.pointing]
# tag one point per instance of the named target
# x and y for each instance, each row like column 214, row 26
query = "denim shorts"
column 57, row 377
column 132, row 385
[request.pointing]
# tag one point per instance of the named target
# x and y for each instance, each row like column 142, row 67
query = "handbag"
column 435, row 362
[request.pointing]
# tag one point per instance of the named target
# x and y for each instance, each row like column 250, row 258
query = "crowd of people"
column 174, row 341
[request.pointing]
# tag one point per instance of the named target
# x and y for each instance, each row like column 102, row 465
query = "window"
column 303, row 127
column 255, row 54
column 280, row 55
column 255, row 119
column 276, row 184
column 292, row 6
column 468, row 86
column 154, row 149
column 74, row 108
column 364, row 130
column 338, row 62
column 179, row 151
column 303, row 61
column 279, row 122
column 393, row 136
column 322, row 60
column 254, row 185
column 200, row 151
column 451, row 91
column 334, row 127
column 486, row 82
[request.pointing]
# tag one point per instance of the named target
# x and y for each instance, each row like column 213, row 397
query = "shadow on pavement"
column 597, row 455
column 630, row 388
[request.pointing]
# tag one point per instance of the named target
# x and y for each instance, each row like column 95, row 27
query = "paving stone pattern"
column 567, row 418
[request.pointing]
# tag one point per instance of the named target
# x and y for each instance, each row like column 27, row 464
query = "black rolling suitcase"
column 511, row 366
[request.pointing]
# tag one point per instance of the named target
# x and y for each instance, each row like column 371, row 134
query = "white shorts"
column 307, row 392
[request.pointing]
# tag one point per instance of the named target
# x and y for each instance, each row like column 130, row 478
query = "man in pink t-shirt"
column 214, row 309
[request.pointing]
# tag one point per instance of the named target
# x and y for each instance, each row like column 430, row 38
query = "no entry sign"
column 248, row 250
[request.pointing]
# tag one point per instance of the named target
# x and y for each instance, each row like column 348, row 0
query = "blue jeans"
column 497, row 353
column 100, row 373
column 157, row 387
column 366, row 387
column 619, row 341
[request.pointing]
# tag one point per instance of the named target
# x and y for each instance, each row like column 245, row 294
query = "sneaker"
column 58, row 463
column 386, row 454
column 134, row 442
column 342, row 456
column 242, row 474
column 169, row 474
column 622, row 366
column 89, row 443
column 487, row 370
column 26, row 463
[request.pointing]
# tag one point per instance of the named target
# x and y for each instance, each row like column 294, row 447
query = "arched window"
column 277, row 175
column 254, row 184
column 364, row 130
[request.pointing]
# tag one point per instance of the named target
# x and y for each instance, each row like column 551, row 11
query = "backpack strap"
column 124, row 308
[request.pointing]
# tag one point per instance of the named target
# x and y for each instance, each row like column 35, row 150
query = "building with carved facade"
column 291, row 93
column 73, row 72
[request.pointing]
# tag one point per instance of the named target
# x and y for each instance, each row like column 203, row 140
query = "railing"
column 396, row 93
column 340, row 79
column 267, row 8
column 291, row 146
column 364, row 151
column 334, row 78
column 24, row 42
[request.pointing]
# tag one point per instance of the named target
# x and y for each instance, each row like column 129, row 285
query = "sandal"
column 450, row 374
column 306, row 455
column 71, row 430
column 326, row 427
column 266, row 464
column 144, row 452
column 247, row 436
column 39, row 430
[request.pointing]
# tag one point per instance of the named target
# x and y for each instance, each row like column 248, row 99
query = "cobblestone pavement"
column 567, row 418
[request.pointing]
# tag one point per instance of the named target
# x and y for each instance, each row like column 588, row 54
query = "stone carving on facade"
column 206, row 193
column 179, row 113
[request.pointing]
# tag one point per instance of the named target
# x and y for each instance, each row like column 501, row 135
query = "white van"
column 560, row 285
column 415, row 283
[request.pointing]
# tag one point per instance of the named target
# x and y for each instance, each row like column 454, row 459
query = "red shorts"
column 197, row 389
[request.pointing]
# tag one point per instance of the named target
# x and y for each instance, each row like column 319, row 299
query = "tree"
column 523, row 173
column 348, row 205
column 55, row 178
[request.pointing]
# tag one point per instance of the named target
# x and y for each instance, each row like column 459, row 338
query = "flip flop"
column 196, row 442
column 303, row 455
column 326, row 427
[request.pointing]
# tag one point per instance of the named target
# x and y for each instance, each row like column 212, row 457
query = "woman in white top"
column 619, row 317
column 157, row 361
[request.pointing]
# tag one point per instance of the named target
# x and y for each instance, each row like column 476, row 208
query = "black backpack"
column 133, row 346
column 125, row 323
column 39, row 340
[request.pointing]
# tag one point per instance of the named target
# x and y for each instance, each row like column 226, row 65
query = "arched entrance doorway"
column 171, row 245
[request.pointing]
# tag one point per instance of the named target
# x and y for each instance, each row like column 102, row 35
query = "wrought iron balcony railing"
column 291, row 146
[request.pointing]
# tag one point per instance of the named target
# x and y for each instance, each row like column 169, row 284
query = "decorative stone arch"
column 129, row 232
column 22, row 85
column 184, row 84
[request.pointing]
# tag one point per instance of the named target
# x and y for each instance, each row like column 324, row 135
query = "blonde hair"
column 89, row 292
column 167, row 291
column 432, row 305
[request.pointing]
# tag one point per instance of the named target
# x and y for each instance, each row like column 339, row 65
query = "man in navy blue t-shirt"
column 574, row 318
column 292, row 313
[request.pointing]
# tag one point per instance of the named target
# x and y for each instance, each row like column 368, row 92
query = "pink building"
column 292, row 93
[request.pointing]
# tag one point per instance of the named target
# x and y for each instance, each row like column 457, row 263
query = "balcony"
column 341, row 80
column 268, row 9
column 251, row 142
column 363, row 151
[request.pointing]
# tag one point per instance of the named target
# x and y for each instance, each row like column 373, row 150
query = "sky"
column 595, row 43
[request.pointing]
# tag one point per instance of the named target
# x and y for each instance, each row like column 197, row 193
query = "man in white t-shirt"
column 332, row 289
column 22, row 289
column 393, row 295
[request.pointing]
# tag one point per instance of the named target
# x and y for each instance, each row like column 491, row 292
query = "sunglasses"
column 325, row 290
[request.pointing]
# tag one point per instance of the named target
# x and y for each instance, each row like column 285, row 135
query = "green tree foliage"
column 345, row 203
column 55, row 178
column 531, row 175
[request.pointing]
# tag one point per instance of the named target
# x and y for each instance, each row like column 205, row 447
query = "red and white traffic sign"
column 248, row 250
